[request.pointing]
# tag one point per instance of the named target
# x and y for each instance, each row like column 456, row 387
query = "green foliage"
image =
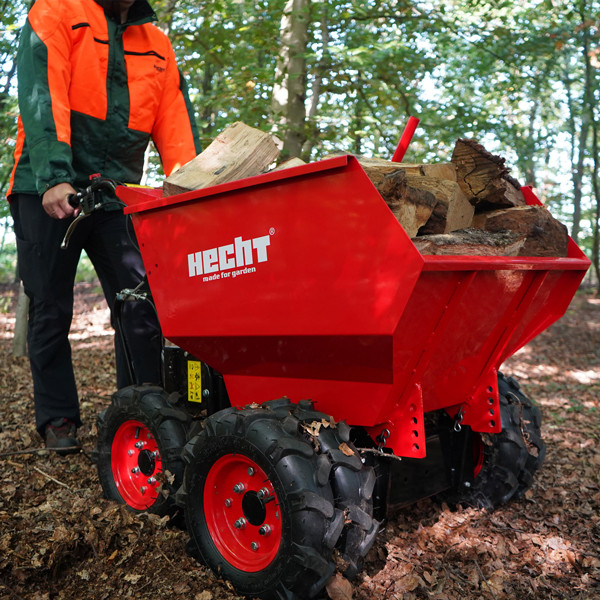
column 510, row 74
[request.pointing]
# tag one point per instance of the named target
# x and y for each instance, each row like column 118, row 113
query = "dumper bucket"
column 302, row 283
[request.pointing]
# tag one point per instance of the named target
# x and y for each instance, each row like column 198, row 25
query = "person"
column 96, row 80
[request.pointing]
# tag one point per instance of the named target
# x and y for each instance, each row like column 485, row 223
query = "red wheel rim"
column 242, row 513
column 135, row 462
column 478, row 454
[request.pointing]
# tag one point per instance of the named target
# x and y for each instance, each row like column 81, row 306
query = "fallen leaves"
column 66, row 541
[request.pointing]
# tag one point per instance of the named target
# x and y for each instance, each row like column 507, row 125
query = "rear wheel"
column 503, row 463
column 258, row 510
column 138, row 452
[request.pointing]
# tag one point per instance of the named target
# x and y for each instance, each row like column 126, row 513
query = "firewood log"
column 238, row 151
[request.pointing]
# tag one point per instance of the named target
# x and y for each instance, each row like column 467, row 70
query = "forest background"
column 522, row 78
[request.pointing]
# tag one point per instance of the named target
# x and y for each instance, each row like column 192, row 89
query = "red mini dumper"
column 320, row 372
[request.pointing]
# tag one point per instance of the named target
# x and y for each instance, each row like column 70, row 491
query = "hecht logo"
column 230, row 260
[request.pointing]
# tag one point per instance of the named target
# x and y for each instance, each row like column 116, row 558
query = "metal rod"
column 407, row 135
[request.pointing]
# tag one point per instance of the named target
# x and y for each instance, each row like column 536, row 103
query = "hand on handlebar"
column 80, row 204
column 55, row 201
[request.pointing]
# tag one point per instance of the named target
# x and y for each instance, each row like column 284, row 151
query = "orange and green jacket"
column 91, row 94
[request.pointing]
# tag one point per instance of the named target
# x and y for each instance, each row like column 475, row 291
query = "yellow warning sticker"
column 194, row 381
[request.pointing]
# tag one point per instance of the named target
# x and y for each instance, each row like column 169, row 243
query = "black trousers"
column 48, row 275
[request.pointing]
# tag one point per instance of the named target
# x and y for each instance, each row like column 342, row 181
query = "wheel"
column 352, row 483
column 504, row 463
column 258, row 504
column 138, row 452
column 531, row 423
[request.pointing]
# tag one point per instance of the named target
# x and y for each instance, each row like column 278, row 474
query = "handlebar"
column 88, row 200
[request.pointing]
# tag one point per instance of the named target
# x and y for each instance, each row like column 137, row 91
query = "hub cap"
column 242, row 513
column 136, row 462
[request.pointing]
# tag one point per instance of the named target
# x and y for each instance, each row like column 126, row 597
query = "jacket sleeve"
column 175, row 133
column 43, row 84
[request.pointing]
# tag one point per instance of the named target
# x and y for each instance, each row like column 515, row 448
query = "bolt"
column 263, row 494
column 139, row 445
column 156, row 454
column 205, row 393
column 240, row 523
column 143, row 490
column 239, row 488
column 250, row 471
column 130, row 452
column 254, row 546
column 228, row 502
column 265, row 530
column 135, row 470
column 467, row 484
column 151, row 480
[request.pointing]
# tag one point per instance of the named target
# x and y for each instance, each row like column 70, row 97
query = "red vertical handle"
column 407, row 135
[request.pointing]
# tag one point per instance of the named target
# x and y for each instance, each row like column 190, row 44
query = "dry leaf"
column 339, row 588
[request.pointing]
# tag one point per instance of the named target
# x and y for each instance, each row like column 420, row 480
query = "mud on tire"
column 138, row 451
column 258, row 504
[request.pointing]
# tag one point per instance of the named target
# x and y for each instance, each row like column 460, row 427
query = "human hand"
column 55, row 201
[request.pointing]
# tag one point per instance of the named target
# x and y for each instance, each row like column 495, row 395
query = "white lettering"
column 223, row 259
column 260, row 245
column 225, row 262
column 195, row 263
column 210, row 260
column 243, row 252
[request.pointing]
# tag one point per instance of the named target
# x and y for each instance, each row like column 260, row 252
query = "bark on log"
column 484, row 177
column 239, row 151
column 543, row 234
column 473, row 242
column 411, row 206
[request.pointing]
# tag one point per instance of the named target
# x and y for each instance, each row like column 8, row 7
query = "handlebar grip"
column 74, row 200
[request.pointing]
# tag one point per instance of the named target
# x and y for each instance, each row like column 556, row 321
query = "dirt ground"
column 59, row 539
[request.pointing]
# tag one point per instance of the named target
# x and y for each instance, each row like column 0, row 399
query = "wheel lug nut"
column 228, row 502
column 156, row 454
column 239, row 488
column 265, row 530
column 263, row 494
column 135, row 470
column 139, row 445
column 151, row 480
column 240, row 523
column 130, row 452
column 255, row 546
column 250, row 471
column 143, row 490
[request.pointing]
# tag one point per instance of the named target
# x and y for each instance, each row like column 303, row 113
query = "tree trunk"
column 19, row 347
column 289, row 91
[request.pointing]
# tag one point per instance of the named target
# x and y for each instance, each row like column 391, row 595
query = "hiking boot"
column 61, row 435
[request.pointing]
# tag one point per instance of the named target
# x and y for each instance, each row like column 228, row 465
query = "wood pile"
column 468, row 206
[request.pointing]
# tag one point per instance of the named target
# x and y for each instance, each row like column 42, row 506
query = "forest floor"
column 59, row 539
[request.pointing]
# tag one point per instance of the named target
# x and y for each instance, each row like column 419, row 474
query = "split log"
column 376, row 168
column 543, row 235
column 452, row 211
column 411, row 206
column 237, row 152
column 484, row 177
column 290, row 162
column 474, row 242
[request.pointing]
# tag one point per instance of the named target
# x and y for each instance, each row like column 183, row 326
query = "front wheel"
column 138, row 452
column 258, row 504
